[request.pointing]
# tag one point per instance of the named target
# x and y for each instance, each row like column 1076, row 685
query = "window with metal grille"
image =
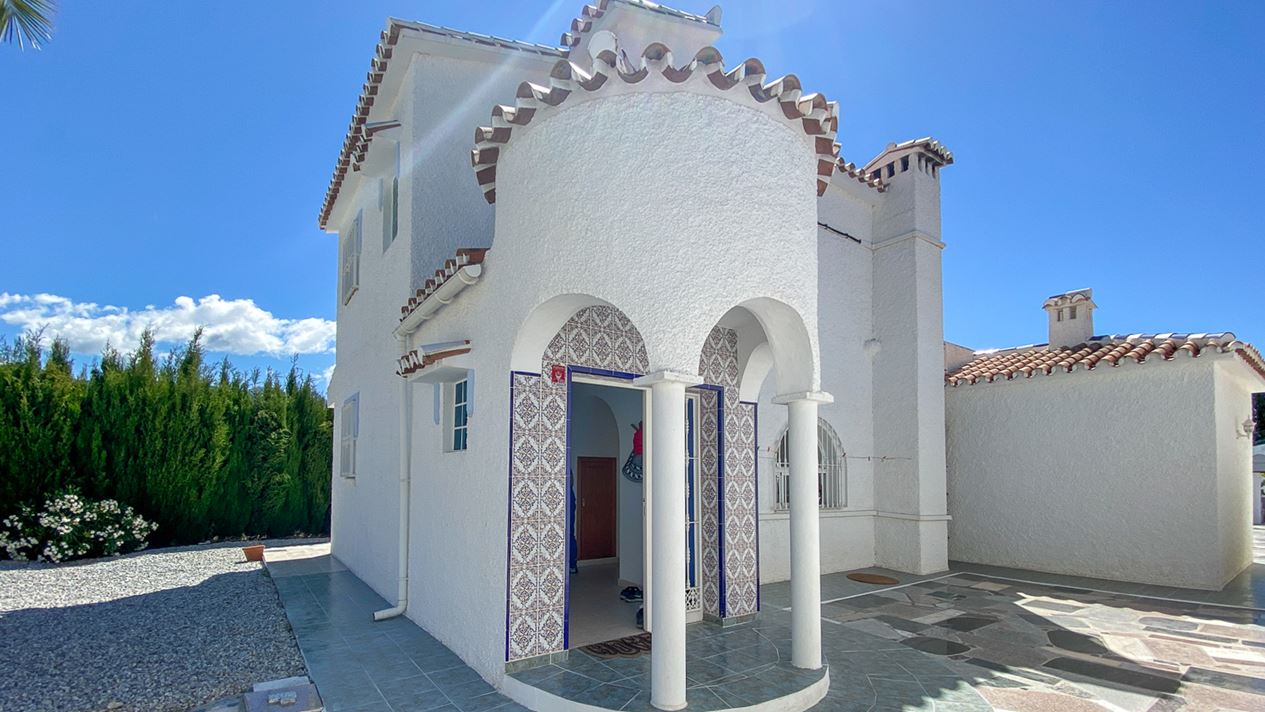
column 832, row 470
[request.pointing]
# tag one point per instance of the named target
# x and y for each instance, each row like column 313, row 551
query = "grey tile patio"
column 1015, row 639
column 359, row 665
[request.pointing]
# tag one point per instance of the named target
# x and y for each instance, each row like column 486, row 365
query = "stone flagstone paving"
column 1040, row 647
column 957, row 642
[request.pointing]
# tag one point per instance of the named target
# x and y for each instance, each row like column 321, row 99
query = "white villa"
column 1123, row 457
column 553, row 257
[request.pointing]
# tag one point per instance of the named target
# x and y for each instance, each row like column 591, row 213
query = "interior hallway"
column 597, row 614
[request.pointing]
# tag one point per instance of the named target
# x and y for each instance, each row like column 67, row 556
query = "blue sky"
column 162, row 151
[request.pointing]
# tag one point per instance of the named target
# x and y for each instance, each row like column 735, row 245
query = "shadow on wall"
column 173, row 648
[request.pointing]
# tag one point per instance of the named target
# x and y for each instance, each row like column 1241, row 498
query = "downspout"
column 406, row 455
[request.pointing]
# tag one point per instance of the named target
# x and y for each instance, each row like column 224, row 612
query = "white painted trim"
column 911, row 235
column 534, row 698
column 815, row 396
column 666, row 376
column 915, row 517
column 785, row 514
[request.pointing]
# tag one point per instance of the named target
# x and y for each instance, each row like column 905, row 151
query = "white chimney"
column 1071, row 318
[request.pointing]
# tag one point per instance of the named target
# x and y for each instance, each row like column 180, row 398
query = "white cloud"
column 234, row 326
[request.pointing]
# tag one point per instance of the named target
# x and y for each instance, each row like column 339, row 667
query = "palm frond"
column 26, row 22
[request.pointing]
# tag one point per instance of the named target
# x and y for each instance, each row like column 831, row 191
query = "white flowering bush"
column 71, row 527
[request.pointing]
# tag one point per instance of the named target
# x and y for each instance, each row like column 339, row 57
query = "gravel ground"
column 167, row 629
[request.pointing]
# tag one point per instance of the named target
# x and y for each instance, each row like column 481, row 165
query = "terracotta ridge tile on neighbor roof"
column 465, row 256
column 817, row 117
column 1025, row 361
column 416, row 360
column 356, row 142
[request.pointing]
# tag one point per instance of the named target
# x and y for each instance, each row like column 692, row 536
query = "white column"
column 805, row 540
column 666, row 443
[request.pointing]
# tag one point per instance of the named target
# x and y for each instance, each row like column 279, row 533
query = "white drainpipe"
column 406, row 453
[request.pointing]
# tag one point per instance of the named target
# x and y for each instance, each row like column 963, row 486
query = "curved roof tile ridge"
column 852, row 171
column 818, row 117
column 591, row 12
column 1110, row 350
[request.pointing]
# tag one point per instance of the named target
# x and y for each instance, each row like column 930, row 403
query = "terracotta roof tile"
column 927, row 144
column 851, row 170
column 584, row 21
column 817, row 117
column 464, row 256
column 1039, row 359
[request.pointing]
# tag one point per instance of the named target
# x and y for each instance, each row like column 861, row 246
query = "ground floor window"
column 832, row 489
column 458, row 416
column 349, row 430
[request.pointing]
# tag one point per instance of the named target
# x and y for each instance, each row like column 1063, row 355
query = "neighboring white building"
column 1123, row 457
column 649, row 236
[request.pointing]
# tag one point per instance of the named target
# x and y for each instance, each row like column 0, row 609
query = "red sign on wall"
column 557, row 373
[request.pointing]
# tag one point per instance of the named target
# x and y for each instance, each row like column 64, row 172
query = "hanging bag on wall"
column 633, row 465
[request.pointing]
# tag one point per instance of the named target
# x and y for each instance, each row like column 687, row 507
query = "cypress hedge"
column 203, row 450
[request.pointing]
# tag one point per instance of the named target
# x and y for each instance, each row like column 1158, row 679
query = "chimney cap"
column 1078, row 296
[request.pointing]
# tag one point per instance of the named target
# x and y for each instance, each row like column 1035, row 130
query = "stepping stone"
column 935, row 646
column 965, row 624
column 1077, row 642
column 1119, row 676
column 302, row 698
column 1168, row 623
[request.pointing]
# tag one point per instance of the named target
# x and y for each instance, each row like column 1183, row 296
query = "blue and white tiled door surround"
column 601, row 339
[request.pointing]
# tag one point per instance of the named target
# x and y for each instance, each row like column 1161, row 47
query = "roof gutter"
column 445, row 293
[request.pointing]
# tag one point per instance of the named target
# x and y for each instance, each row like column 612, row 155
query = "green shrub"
column 204, row 451
column 70, row 527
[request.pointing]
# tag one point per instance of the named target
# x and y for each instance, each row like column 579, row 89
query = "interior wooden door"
column 596, row 510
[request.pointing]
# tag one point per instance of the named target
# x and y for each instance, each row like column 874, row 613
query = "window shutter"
column 387, row 203
column 359, row 243
column 349, row 430
column 347, row 276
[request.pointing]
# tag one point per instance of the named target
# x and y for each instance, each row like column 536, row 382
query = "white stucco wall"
column 458, row 533
column 675, row 205
column 661, row 204
column 365, row 510
column 1235, row 383
column 844, row 301
column 1124, row 473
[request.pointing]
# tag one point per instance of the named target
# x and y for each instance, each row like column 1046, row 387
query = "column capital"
column 814, row 396
column 650, row 379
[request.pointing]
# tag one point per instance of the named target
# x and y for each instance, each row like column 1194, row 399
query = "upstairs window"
column 389, row 201
column 349, row 273
column 349, row 430
column 1071, row 312
column 832, row 486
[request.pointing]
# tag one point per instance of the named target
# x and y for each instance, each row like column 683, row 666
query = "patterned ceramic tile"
column 596, row 337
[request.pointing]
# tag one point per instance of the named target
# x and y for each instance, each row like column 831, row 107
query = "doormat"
column 876, row 579
column 631, row 647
